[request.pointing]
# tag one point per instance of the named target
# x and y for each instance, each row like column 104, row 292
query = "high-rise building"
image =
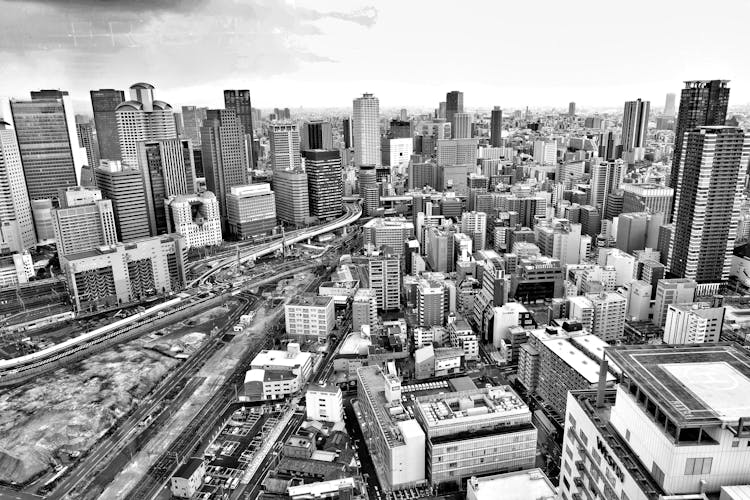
column 669, row 109
column 285, row 146
column 168, row 170
column 602, row 314
column 195, row 217
column 672, row 291
column 442, row 109
column 635, row 126
column 474, row 224
column 462, row 125
column 223, row 154
column 702, row 103
column 693, row 323
column 16, row 221
column 400, row 129
column 292, row 197
column 385, row 279
column 457, row 151
column 85, row 132
column 109, row 276
column 325, row 183
column 192, row 120
column 422, row 174
column 251, row 210
column 316, row 135
column 105, row 102
column 712, row 171
column 496, row 127
column 430, row 304
column 647, row 198
column 239, row 101
column 390, row 232
column 366, row 130
column 48, row 141
column 347, row 132
column 397, row 153
column 454, row 103
column 84, row 221
column 142, row 118
column 123, row 184
column 364, row 309
column 571, row 109
column 545, row 152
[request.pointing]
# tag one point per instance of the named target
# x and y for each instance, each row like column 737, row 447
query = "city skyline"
column 303, row 43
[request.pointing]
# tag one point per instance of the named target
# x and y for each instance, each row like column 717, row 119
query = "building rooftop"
column 289, row 359
column 470, row 406
column 573, row 357
column 330, row 388
column 594, row 346
column 530, row 484
column 391, row 416
column 310, row 300
column 448, row 352
column 187, row 469
column 355, row 345
column 694, row 385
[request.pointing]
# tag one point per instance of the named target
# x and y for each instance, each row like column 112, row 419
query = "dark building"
column 104, row 102
column 316, row 135
column 400, row 129
column 239, row 101
column 454, row 103
column 325, row 183
column 702, row 102
column 496, row 128
column 347, row 126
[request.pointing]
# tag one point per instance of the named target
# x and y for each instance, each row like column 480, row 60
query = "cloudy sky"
column 322, row 53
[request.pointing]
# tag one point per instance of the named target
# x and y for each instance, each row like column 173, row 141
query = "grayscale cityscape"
column 374, row 250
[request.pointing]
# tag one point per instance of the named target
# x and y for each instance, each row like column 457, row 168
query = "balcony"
column 579, row 465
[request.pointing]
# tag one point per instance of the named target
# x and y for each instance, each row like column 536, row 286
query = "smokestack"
column 602, row 382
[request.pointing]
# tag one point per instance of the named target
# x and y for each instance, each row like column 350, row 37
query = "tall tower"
column 239, row 101
column 709, row 186
column 635, row 124
column 192, row 120
column 223, row 146
column 292, row 198
column 123, row 184
column 702, row 103
column 48, row 141
column 285, row 146
column 105, row 102
column 316, row 135
column 16, row 222
column 496, row 127
column 571, row 109
column 85, row 132
column 366, row 130
column 325, row 183
column 462, row 126
column 454, row 103
column 669, row 105
column 143, row 119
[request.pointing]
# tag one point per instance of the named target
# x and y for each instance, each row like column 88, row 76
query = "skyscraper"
column 168, row 170
column 239, row 101
column 496, row 128
column 346, row 125
column 143, row 119
column 85, row 132
column 400, row 129
column 292, row 198
column 285, row 146
column 123, row 184
column 325, row 185
column 105, row 102
column 702, row 103
column 223, row 154
column 366, row 130
column 635, row 124
column 251, row 210
column 16, row 222
column 669, row 105
column 454, row 103
column 461, row 125
column 712, row 168
column 192, row 120
column 385, row 279
column 84, row 221
column 316, row 135
column 48, row 142
column 571, row 109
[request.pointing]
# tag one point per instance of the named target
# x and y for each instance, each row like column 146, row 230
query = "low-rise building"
column 196, row 217
column 310, row 317
column 277, row 374
column 463, row 337
column 188, row 478
column 324, row 402
column 530, row 484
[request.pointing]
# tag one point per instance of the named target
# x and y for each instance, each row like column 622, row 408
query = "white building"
column 693, row 323
column 142, row 119
column 16, row 268
column 366, row 130
column 324, row 402
column 188, row 478
column 277, row 374
column 16, row 222
column 251, row 210
column 457, row 151
column 389, row 231
column 474, row 224
column 396, row 153
column 285, row 146
column 545, row 152
column 310, row 317
column 462, row 336
column 196, row 217
column 531, row 484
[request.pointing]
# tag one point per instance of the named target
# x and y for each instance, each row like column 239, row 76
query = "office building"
column 571, row 109
column 395, row 441
column 496, row 127
column 560, row 239
column 635, row 127
column 366, row 130
column 454, row 103
column 391, row 232
column 85, row 132
column 474, row 224
column 602, row 314
column 400, row 129
column 702, row 103
column 430, row 304
column 285, row 146
column 672, row 291
column 85, row 223
column 111, row 276
column 531, row 484
column 439, row 249
column 323, row 402
column 278, row 374
column 104, row 103
column 364, row 309
column 316, row 134
column 457, row 151
column 693, row 323
column 707, row 204
column 347, row 132
column 48, row 142
column 192, row 120
column 292, row 198
column 168, row 170
column 669, row 109
column 673, row 427
column 195, row 217
column 240, row 102
column 637, row 231
column 385, row 279
column 647, row 198
column 397, row 152
column 309, row 317
column 474, row 432
column 223, row 154
column 461, row 126
column 325, row 183
column 16, row 222
column 251, row 210
column 142, row 118
column 545, row 152
column 16, row 269
column 123, row 185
